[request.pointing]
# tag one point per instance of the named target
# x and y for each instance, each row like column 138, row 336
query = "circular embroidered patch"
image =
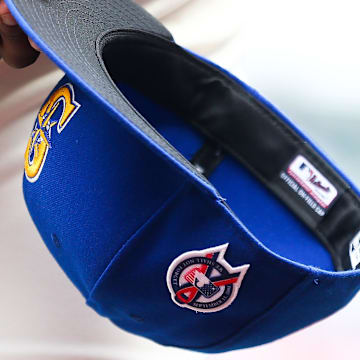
column 203, row 281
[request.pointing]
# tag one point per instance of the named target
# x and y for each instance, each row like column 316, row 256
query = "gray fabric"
column 73, row 30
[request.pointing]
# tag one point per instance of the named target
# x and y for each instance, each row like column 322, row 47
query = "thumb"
column 14, row 46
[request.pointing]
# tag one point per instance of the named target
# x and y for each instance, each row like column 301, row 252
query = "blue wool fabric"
column 121, row 214
column 129, row 218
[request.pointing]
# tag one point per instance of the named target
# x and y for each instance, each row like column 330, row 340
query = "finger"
column 9, row 20
column 15, row 47
column 5, row 14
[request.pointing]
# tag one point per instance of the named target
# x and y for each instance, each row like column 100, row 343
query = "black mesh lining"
column 225, row 113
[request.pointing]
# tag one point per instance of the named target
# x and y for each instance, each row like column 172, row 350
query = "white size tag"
column 312, row 181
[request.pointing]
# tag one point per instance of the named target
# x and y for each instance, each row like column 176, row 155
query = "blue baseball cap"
column 185, row 207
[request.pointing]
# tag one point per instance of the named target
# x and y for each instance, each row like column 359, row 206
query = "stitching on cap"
column 148, row 222
column 258, row 318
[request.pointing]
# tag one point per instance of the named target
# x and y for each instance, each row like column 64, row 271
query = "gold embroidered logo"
column 40, row 140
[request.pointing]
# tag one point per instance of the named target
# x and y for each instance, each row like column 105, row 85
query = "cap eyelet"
column 55, row 240
column 137, row 318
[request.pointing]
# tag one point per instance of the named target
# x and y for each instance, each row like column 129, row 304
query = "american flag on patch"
column 202, row 283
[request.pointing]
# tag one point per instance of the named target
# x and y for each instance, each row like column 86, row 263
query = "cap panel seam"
column 311, row 278
column 238, row 226
column 258, row 318
column 157, row 213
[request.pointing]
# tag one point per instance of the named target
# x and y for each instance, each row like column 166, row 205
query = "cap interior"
column 240, row 144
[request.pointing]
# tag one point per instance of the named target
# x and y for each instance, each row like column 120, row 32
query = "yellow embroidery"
column 40, row 140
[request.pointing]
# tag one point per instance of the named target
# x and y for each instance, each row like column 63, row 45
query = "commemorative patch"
column 203, row 281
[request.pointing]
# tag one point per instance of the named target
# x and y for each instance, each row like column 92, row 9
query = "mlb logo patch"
column 312, row 181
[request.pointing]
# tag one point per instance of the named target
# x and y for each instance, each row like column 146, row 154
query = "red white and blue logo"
column 203, row 281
